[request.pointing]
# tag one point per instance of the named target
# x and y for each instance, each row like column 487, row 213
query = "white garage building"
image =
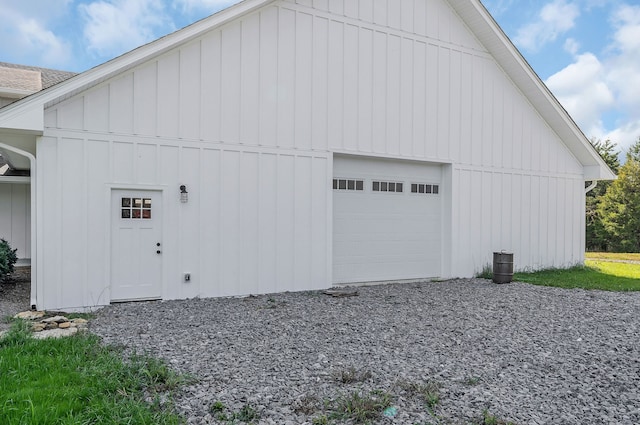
column 318, row 142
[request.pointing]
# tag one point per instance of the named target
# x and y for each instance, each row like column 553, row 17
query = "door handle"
column 158, row 252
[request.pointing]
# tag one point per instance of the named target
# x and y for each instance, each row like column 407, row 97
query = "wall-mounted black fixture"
column 184, row 195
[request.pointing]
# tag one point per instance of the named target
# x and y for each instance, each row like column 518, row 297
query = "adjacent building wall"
column 15, row 215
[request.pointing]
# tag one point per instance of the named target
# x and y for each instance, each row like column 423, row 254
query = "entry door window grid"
column 428, row 189
column 134, row 208
column 348, row 184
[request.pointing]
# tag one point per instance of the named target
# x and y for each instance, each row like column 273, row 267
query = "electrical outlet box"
column 187, row 277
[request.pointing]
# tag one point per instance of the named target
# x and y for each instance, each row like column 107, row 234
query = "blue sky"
column 587, row 51
column 588, row 54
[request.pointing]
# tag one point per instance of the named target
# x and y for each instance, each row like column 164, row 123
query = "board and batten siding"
column 539, row 218
column 15, row 214
column 246, row 229
column 294, row 77
column 268, row 98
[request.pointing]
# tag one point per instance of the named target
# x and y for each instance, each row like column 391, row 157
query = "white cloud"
column 207, row 5
column 40, row 10
column 624, row 75
column 113, row 27
column 571, row 46
column 497, row 7
column 555, row 18
column 582, row 89
column 625, row 135
column 26, row 32
column 590, row 88
column 627, row 20
column 53, row 50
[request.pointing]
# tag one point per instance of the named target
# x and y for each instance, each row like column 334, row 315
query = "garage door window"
column 429, row 189
column 348, row 184
column 379, row 186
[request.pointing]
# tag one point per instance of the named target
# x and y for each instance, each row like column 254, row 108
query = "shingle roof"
column 49, row 77
column 20, row 79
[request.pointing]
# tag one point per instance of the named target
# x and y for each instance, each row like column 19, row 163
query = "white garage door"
column 386, row 220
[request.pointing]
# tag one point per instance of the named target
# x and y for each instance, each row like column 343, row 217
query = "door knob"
column 158, row 244
column 158, row 252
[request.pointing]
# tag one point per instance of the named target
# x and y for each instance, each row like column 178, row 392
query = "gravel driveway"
column 527, row 354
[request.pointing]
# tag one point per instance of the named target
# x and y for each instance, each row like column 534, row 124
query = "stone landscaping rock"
column 38, row 327
column 29, row 315
column 341, row 292
column 56, row 319
column 52, row 327
column 55, row 333
column 79, row 323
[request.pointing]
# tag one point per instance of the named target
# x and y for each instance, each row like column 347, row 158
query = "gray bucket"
column 502, row 267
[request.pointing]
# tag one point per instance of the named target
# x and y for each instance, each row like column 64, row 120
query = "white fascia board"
column 28, row 119
column 592, row 172
column 598, row 172
column 15, row 180
column 493, row 38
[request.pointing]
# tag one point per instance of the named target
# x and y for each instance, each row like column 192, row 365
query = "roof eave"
column 598, row 172
column 28, row 120
column 19, row 112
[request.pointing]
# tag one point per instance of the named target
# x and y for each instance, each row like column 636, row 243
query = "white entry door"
column 136, row 245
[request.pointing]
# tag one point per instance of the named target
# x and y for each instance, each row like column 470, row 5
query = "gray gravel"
column 14, row 297
column 527, row 354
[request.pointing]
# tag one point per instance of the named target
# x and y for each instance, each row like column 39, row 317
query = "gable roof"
column 27, row 114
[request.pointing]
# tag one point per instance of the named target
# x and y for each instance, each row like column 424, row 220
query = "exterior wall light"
column 184, row 195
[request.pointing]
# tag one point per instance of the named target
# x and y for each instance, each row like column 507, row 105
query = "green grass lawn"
column 612, row 256
column 596, row 274
column 77, row 380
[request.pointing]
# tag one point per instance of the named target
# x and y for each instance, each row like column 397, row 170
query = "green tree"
column 634, row 151
column 608, row 151
column 619, row 208
column 597, row 236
